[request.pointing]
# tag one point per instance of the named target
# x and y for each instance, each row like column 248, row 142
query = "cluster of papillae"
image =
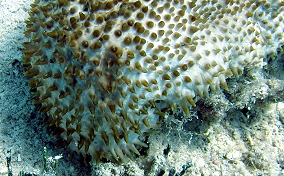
column 105, row 71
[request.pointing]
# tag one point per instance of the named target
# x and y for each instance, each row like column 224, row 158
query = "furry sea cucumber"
column 105, row 72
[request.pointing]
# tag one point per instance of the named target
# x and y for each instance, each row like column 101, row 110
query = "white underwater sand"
column 238, row 132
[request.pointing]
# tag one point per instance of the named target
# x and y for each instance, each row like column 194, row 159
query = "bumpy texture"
column 106, row 71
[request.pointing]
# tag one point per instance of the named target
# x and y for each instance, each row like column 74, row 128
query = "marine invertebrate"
column 100, row 68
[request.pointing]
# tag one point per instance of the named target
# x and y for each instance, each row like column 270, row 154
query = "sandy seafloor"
column 234, row 132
